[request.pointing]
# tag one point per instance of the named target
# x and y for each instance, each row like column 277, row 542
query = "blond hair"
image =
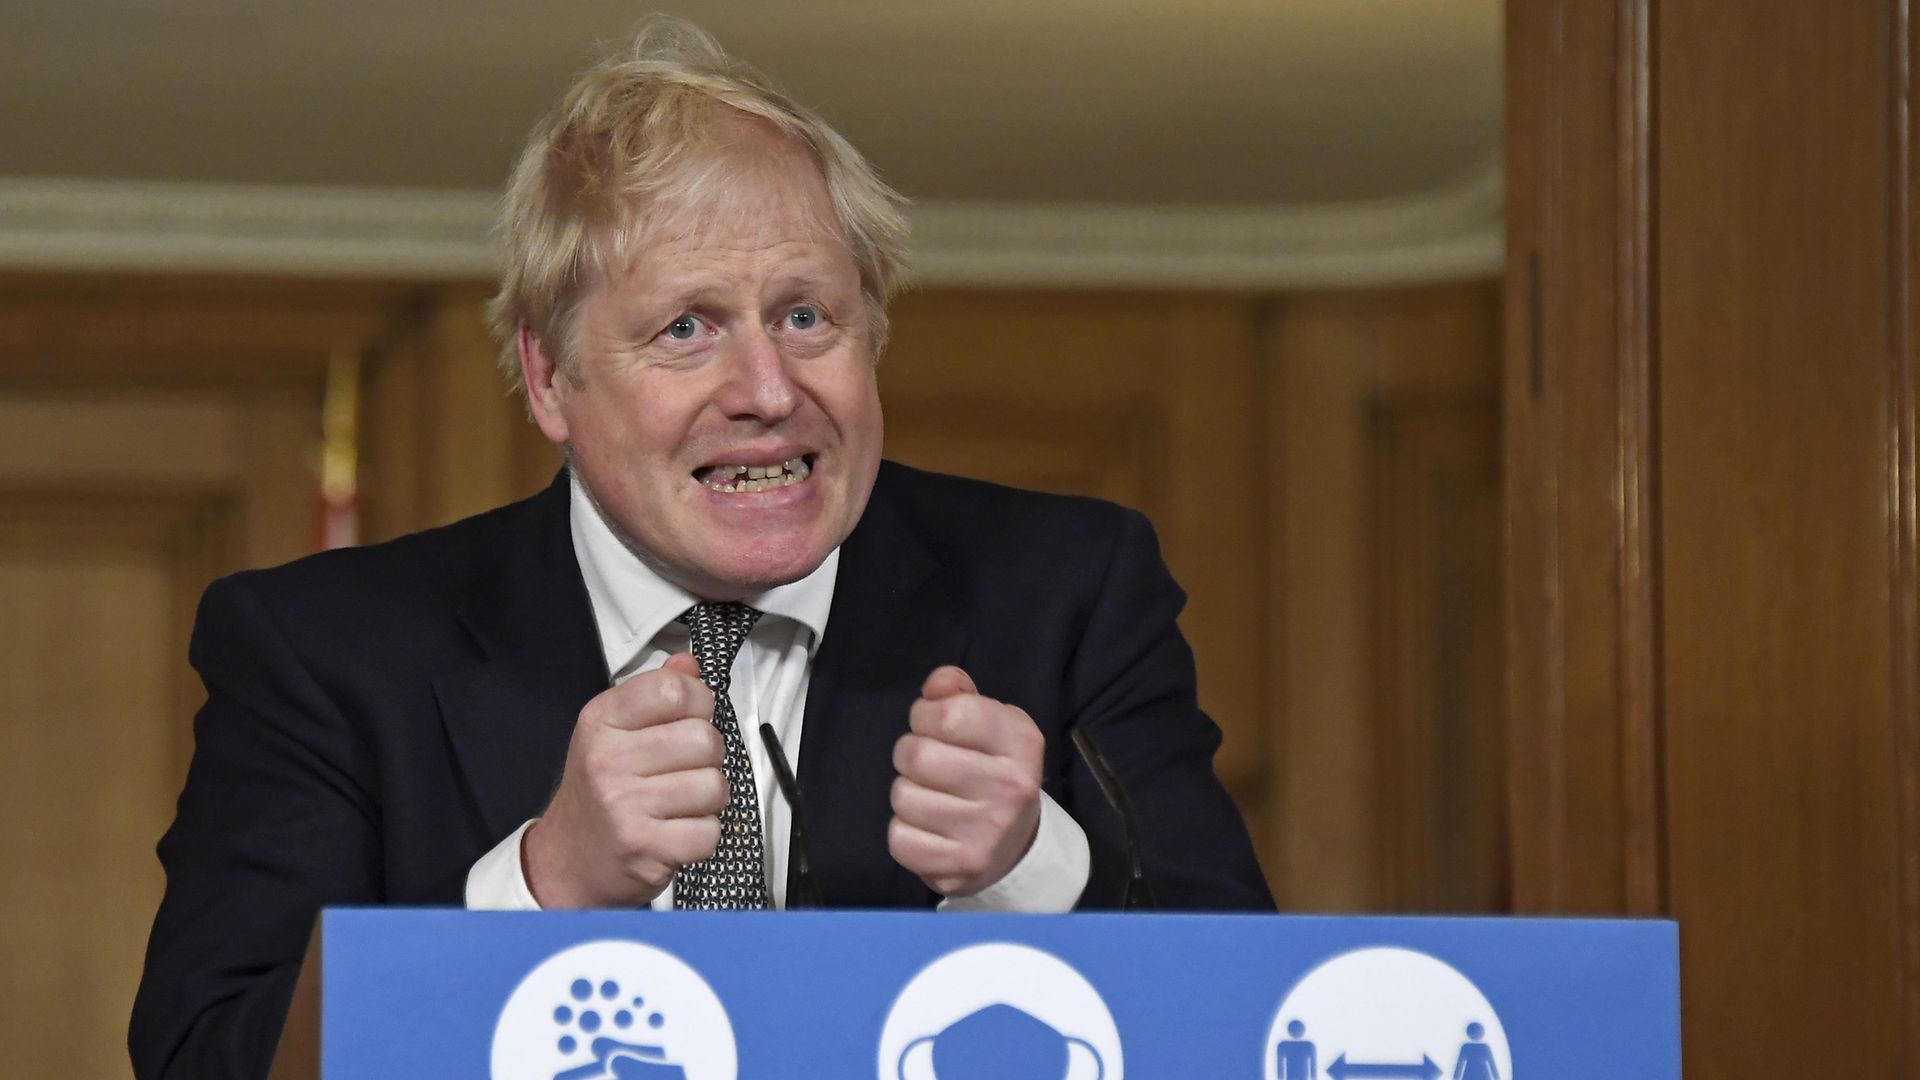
column 646, row 132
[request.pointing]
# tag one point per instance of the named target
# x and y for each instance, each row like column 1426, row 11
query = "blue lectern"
column 924, row 996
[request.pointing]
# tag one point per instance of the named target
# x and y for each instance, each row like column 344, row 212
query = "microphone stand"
column 1139, row 892
column 805, row 893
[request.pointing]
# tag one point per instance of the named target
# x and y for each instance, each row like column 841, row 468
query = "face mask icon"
column 1000, row 1042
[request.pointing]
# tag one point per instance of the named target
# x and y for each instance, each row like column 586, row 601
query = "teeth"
column 735, row 479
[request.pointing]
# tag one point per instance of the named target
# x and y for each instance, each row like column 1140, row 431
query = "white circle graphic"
column 1387, row 1012
column 613, row 1009
column 982, row 989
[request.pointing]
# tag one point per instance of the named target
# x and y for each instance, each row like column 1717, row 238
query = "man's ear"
column 546, row 386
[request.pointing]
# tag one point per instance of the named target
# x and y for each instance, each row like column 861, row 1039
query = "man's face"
column 736, row 348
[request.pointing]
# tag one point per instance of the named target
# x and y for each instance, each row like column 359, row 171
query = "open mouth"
column 737, row 479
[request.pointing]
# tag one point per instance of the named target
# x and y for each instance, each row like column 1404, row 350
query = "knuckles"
column 1014, row 788
column 635, row 837
column 715, row 743
column 1029, row 744
column 650, row 698
column 958, row 719
column 909, row 755
column 711, row 791
column 970, row 863
column 707, row 832
column 693, row 738
column 702, row 840
column 595, row 757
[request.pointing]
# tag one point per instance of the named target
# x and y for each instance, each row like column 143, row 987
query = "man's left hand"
column 966, row 805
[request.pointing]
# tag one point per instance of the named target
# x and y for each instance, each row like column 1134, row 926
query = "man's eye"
column 804, row 317
column 683, row 328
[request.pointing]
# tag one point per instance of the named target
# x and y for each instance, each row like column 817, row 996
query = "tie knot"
column 718, row 631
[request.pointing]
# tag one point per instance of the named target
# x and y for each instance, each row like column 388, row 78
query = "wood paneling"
column 152, row 436
column 1710, row 432
column 1386, row 602
column 1903, row 475
column 1580, row 462
column 1437, row 707
column 91, row 756
column 176, row 330
column 1773, row 290
column 442, row 435
column 86, row 727
column 103, row 556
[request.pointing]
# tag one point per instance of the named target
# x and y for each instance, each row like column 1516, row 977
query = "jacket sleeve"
column 1132, row 689
column 275, row 821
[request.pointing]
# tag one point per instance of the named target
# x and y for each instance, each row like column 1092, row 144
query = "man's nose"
column 759, row 384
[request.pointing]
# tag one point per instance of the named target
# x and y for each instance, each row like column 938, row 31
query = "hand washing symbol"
column 999, row 1042
column 614, row 1058
column 613, row 1009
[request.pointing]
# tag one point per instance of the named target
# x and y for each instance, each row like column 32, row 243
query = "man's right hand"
column 639, row 798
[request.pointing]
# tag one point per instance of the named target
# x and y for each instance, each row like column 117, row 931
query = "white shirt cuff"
column 1048, row 879
column 498, row 881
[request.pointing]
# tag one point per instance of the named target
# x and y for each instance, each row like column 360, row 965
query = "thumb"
column 946, row 682
column 684, row 663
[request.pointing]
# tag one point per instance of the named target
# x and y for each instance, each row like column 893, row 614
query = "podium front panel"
column 923, row 996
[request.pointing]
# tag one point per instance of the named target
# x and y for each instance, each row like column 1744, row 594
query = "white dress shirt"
column 635, row 612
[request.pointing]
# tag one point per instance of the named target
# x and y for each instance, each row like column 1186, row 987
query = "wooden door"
column 1714, row 503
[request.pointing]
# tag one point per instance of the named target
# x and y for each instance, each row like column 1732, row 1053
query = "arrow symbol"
column 1342, row 1069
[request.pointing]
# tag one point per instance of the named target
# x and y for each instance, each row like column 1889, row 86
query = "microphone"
column 804, row 894
column 1139, row 892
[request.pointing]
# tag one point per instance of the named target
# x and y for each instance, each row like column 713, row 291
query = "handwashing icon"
column 1000, row 1042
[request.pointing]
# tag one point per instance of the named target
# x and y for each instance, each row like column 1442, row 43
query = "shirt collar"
column 632, row 603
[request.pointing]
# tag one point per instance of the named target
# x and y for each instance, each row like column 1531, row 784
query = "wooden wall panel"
column 1710, row 364
column 1581, row 461
column 1437, row 707
column 101, row 564
column 1773, row 290
column 1903, row 483
column 442, row 434
column 152, row 436
column 1385, row 599
column 91, row 757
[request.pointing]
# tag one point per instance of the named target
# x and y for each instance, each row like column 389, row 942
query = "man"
column 556, row 704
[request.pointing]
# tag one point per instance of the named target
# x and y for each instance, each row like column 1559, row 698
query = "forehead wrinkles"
column 760, row 192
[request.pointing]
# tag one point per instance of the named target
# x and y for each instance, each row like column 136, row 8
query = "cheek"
column 636, row 425
column 852, row 399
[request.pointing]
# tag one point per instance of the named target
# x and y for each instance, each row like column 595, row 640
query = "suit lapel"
column 510, row 716
column 891, row 624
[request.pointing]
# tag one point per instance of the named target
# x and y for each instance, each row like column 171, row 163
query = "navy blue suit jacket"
column 378, row 718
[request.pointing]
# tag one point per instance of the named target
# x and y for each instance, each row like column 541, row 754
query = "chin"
column 762, row 569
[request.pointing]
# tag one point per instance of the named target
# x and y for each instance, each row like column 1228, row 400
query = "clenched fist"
column 639, row 798
column 966, row 805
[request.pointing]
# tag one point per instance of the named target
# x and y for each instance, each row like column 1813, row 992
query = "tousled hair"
column 653, row 133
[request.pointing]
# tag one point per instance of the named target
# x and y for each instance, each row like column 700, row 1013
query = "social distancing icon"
column 1387, row 1014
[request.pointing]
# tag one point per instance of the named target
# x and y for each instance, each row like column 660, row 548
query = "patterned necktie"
column 736, row 875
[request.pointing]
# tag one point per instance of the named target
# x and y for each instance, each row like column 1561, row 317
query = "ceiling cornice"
column 85, row 225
